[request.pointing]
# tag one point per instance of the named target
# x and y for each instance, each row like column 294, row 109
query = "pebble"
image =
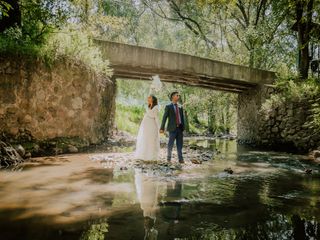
column 126, row 161
column 308, row 171
column 228, row 170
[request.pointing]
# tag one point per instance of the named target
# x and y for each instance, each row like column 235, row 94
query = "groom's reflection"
column 172, row 208
column 147, row 193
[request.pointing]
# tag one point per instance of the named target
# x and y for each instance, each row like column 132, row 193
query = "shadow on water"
column 267, row 197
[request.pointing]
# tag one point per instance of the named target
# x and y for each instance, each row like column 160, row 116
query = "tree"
column 236, row 29
column 10, row 14
column 33, row 19
column 304, row 11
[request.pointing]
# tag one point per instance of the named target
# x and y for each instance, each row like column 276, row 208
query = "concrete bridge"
column 135, row 62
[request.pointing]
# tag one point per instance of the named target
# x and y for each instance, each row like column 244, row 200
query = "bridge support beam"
column 249, row 105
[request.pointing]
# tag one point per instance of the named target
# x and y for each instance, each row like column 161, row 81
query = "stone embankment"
column 54, row 109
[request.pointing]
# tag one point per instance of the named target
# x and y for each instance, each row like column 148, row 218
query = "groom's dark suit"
column 175, row 128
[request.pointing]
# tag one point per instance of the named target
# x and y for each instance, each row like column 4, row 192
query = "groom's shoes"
column 169, row 161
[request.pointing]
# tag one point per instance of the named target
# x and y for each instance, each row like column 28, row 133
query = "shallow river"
column 74, row 197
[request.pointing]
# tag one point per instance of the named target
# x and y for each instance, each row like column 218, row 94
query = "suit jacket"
column 170, row 114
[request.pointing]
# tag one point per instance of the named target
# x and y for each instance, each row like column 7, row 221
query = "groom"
column 175, row 127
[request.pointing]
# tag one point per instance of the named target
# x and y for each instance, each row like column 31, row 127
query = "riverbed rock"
column 20, row 150
column 206, row 156
column 314, row 155
column 57, row 150
column 36, row 148
column 8, row 155
column 274, row 129
column 308, row 171
column 228, row 170
column 72, row 149
column 196, row 161
column 193, row 147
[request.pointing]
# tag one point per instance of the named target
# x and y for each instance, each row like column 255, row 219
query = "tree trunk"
column 228, row 117
column 251, row 58
column 212, row 126
column 195, row 118
column 86, row 12
column 304, row 24
column 186, row 121
column 13, row 18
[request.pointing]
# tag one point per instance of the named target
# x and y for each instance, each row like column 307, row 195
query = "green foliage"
column 128, row 118
column 39, row 19
column 45, row 35
column 78, row 46
column 95, row 232
column 292, row 90
column 4, row 8
column 12, row 41
column 249, row 33
column 316, row 114
column 68, row 44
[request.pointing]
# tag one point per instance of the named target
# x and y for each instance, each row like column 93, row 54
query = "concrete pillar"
column 108, row 109
column 249, row 105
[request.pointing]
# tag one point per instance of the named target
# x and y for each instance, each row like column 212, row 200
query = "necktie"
column 177, row 114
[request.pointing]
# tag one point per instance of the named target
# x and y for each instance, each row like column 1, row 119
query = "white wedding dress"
column 148, row 139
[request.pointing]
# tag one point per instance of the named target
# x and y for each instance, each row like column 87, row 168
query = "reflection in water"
column 96, row 231
column 303, row 229
column 147, row 193
column 267, row 197
column 171, row 209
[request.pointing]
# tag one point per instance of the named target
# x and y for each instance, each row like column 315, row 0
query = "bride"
column 148, row 139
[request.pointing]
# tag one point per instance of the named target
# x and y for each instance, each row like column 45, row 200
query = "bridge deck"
column 137, row 62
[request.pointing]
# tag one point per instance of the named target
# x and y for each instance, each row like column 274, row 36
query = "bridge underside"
column 221, row 84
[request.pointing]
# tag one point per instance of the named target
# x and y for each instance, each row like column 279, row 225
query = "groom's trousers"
column 178, row 136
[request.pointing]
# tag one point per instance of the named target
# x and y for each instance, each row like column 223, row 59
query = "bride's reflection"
column 147, row 193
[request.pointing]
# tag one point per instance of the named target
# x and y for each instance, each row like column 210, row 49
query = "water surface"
column 72, row 197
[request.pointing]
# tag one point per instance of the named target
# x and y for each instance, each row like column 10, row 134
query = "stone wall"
column 64, row 101
column 287, row 127
column 283, row 127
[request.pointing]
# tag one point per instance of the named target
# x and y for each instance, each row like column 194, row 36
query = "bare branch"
column 185, row 19
column 236, row 33
column 243, row 11
column 259, row 8
column 239, row 21
column 164, row 16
